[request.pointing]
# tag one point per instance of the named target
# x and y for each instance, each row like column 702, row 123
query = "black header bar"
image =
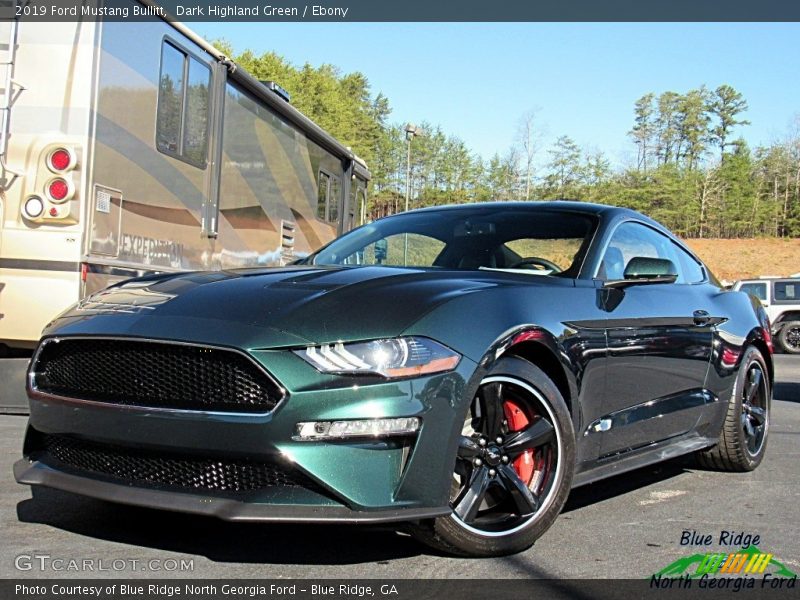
column 407, row 10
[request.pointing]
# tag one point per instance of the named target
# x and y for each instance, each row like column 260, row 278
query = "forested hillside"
column 692, row 171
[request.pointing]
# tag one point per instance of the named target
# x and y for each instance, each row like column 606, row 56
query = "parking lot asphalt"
column 628, row 526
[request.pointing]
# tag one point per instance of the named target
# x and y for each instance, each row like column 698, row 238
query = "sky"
column 476, row 80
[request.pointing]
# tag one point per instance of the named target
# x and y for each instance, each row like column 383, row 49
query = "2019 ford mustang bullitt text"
column 458, row 368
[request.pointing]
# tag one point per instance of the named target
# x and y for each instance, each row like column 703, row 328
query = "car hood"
column 270, row 308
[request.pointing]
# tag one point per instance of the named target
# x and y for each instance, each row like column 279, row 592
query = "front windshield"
column 537, row 241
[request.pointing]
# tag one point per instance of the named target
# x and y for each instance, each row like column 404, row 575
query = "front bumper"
column 354, row 480
column 228, row 509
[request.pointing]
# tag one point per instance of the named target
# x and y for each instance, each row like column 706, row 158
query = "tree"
column 726, row 105
column 596, row 168
column 503, row 176
column 693, row 122
column 667, row 126
column 644, row 129
column 565, row 165
column 528, row 137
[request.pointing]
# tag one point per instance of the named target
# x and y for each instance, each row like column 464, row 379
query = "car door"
column 659, row 344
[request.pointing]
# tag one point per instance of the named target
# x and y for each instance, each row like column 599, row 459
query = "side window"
column 328, row 196
column 691, row 270
column 182, row 115
column 786, row 291
column 170, row 99
column 759, row 290
column 195, row 135
column 333, row 200
column 362, row 206
column 633, row 239
column 323, row 192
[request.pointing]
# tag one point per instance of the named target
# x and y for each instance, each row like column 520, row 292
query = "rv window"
column 196, row 129
column 170, row 99
column 333, row 201
column 362, row 205
column 182, row 119
column 322, row 195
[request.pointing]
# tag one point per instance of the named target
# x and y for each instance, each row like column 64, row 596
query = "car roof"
column 555, row 205
column 608, row 212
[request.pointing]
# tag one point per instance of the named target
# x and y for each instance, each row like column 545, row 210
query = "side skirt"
column 642, row 457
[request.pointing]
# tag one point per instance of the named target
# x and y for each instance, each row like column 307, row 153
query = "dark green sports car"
column 458, row 368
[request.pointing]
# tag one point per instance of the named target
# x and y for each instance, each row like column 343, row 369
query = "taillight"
column 58, row 189
column 57, row 186
column 33, row 207
column 527, row 336
column 61, row 159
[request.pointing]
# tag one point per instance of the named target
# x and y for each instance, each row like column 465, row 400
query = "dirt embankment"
column 745, row 258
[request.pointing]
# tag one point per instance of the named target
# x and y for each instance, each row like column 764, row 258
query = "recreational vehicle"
column 131, row 148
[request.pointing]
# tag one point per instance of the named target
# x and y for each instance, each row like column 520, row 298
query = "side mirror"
column 643, row 270
column 381, row 250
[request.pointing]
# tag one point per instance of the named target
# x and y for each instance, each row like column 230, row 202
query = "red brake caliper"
column 523, row 464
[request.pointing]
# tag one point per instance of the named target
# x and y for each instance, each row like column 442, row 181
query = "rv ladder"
column 8, row 10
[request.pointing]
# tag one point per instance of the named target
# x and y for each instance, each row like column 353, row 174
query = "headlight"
column 399, row 357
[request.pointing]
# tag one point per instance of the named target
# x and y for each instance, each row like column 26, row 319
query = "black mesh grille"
column 158, row 469
column 154, row 374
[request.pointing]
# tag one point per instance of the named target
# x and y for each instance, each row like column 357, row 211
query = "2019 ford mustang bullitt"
column 458, row 368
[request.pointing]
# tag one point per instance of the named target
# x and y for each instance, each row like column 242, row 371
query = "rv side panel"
column 50, row 108
column 151, row 170
column 280, row 193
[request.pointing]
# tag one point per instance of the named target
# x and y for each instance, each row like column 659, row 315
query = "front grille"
column 149, row 468
column 154, row 374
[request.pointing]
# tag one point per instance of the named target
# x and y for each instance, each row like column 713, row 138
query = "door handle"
column 701, row 317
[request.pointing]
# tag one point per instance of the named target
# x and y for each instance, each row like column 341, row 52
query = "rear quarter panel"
column 745, row 326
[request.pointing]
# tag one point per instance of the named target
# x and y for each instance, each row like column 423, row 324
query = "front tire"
column 514, row 466
column 743, row 439
column 789, row 337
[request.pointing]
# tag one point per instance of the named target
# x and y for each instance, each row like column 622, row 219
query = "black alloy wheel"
column 513, row 466
column 754, row 415
column 742, row 442
column 789, row 337
column 505, row 467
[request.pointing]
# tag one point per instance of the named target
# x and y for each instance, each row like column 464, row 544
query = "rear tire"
column 505, row 497
column 789, row 337
column 743, row 439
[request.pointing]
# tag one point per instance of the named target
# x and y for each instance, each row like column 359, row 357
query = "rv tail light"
column 59, row 189
column 61, row 159
column 33, row 208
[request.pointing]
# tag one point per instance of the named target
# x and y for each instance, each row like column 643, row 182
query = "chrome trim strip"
column 650, row 409
column 34, row 392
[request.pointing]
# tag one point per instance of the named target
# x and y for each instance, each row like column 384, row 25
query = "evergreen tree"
column 644, row 129
column 726, row 105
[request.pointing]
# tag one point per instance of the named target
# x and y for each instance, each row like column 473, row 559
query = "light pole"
column 411, row 132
